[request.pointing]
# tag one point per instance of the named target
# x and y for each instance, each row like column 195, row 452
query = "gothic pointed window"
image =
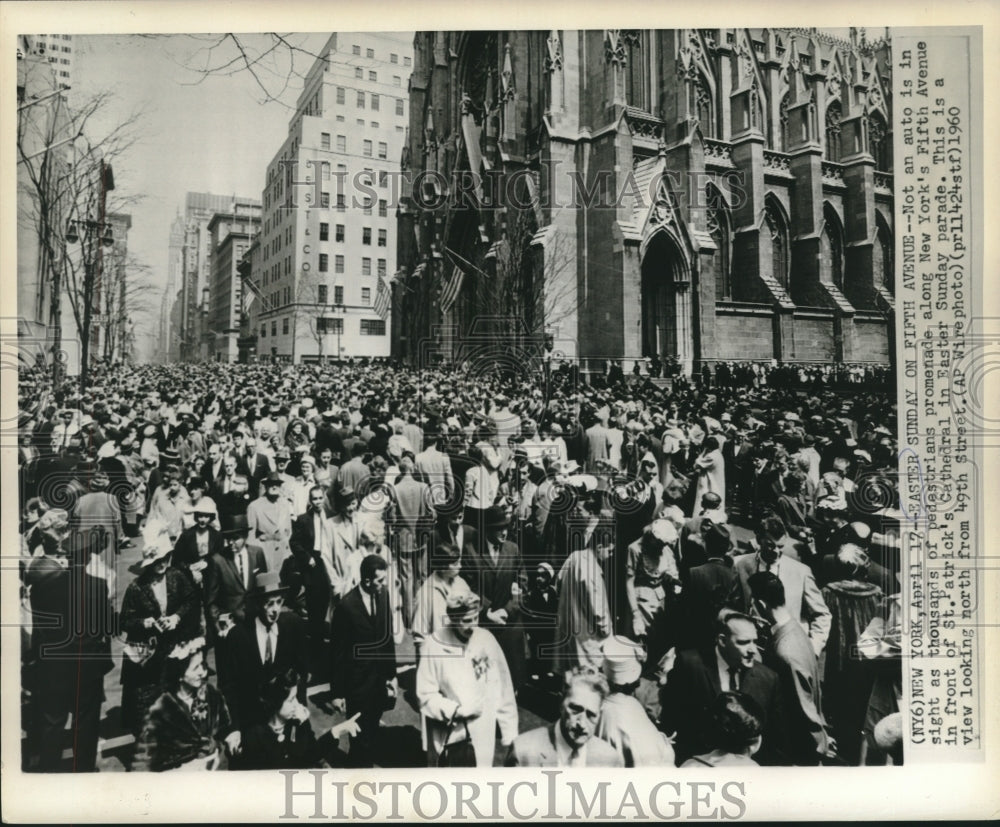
column 833, row 114
column 882, row 256
column 777, row 240
column 718, row 229
column 637, row 69
column 879, row 144
column 831, row 256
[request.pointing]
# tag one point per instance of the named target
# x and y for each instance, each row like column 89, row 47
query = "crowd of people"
column 705, row 573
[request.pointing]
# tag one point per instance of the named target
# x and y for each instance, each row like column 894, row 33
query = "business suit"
column 307, row 572
column 537, row 748
column 435, row 469
column 362, row 661
column 412, row 524
column 492, row 581
column 598, row 444
column 802, row 596
column 245, row 675
column 692, row 686
column 258, row 466
column 792, row 658
column 224, row 590
column 708, row 589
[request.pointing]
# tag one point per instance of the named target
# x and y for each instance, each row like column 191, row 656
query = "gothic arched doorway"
column 666, row 303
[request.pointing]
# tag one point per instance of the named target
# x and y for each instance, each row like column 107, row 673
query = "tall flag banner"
column 452, row 289
column 382, row 299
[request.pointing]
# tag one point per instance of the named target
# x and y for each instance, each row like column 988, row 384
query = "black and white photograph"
column 491, row 398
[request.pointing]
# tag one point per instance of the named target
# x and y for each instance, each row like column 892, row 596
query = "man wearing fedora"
column 493, row 568
column 268, row 642
column 230, row 574
column 363, row 657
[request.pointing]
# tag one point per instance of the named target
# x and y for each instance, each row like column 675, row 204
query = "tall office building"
column 168, row 339
column 328, row 236
column 57, row 49
column 231, row 234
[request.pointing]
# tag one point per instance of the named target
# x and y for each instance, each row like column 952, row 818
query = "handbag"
column 457, row 753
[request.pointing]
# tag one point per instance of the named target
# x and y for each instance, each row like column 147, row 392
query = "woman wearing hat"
column 189, row 726
column 482, row 483
column 464, row 686
column 651, row 574
column 297, row 435
column 159, row 609
column 432, row 597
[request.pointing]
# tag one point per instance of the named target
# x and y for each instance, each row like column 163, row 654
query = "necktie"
column 733, row 682
column 371, row 599
column 268, row 651
column 239, row 567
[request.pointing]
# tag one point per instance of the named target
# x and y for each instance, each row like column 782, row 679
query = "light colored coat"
column 583, row 619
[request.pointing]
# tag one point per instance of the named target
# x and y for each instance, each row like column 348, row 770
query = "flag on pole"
column 452, row 289
column 382, row 299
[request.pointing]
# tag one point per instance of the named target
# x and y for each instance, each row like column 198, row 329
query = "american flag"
column 382, row 299
column 452, row 289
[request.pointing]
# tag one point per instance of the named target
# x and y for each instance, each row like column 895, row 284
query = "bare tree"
column 312, row 305
column 68, row 190
column 128, row 293
column 272, row 59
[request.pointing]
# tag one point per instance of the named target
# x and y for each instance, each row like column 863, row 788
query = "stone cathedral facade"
column 705, row 194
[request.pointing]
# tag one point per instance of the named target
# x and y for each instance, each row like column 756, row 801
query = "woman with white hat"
column 160, row 609
column 651, row 573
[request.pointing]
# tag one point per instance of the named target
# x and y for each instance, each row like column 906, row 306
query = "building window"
column 324, row 140
column 882, row 255
column 366, row 295
column 399, row 106
column 361, row 122
column 324, row 263
column 777, row 238
column 383, row 178
column 329, row 325
column 359, row 72
column 399, row 129
column 338, row 264
column 356, row 50
column 833, row 131
column 407, row 61
column 324, row 200
column 274, row 327
column 368, row 205
column 366, row 267
column 338, row 294
column 374, row 124
column 375, row 103
column 339, row 233
column 341, row 143
column 325, row 168
column 831, row 250
column 370, row 54
column 361, row 100
column 718, row 229
column 381, row 267
column 324, row 232
column 367, row 149
column 373, row 76
column 382, row 235
column 341, row 202
column 340, row 119
column 284, row 325
column 372, row 327
column 383, row 150
column 366, row 235
column 394, row 58
column 322, row 294
column 383, row 208
column 263, row 331
column 396, row 80
column 341, row 94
